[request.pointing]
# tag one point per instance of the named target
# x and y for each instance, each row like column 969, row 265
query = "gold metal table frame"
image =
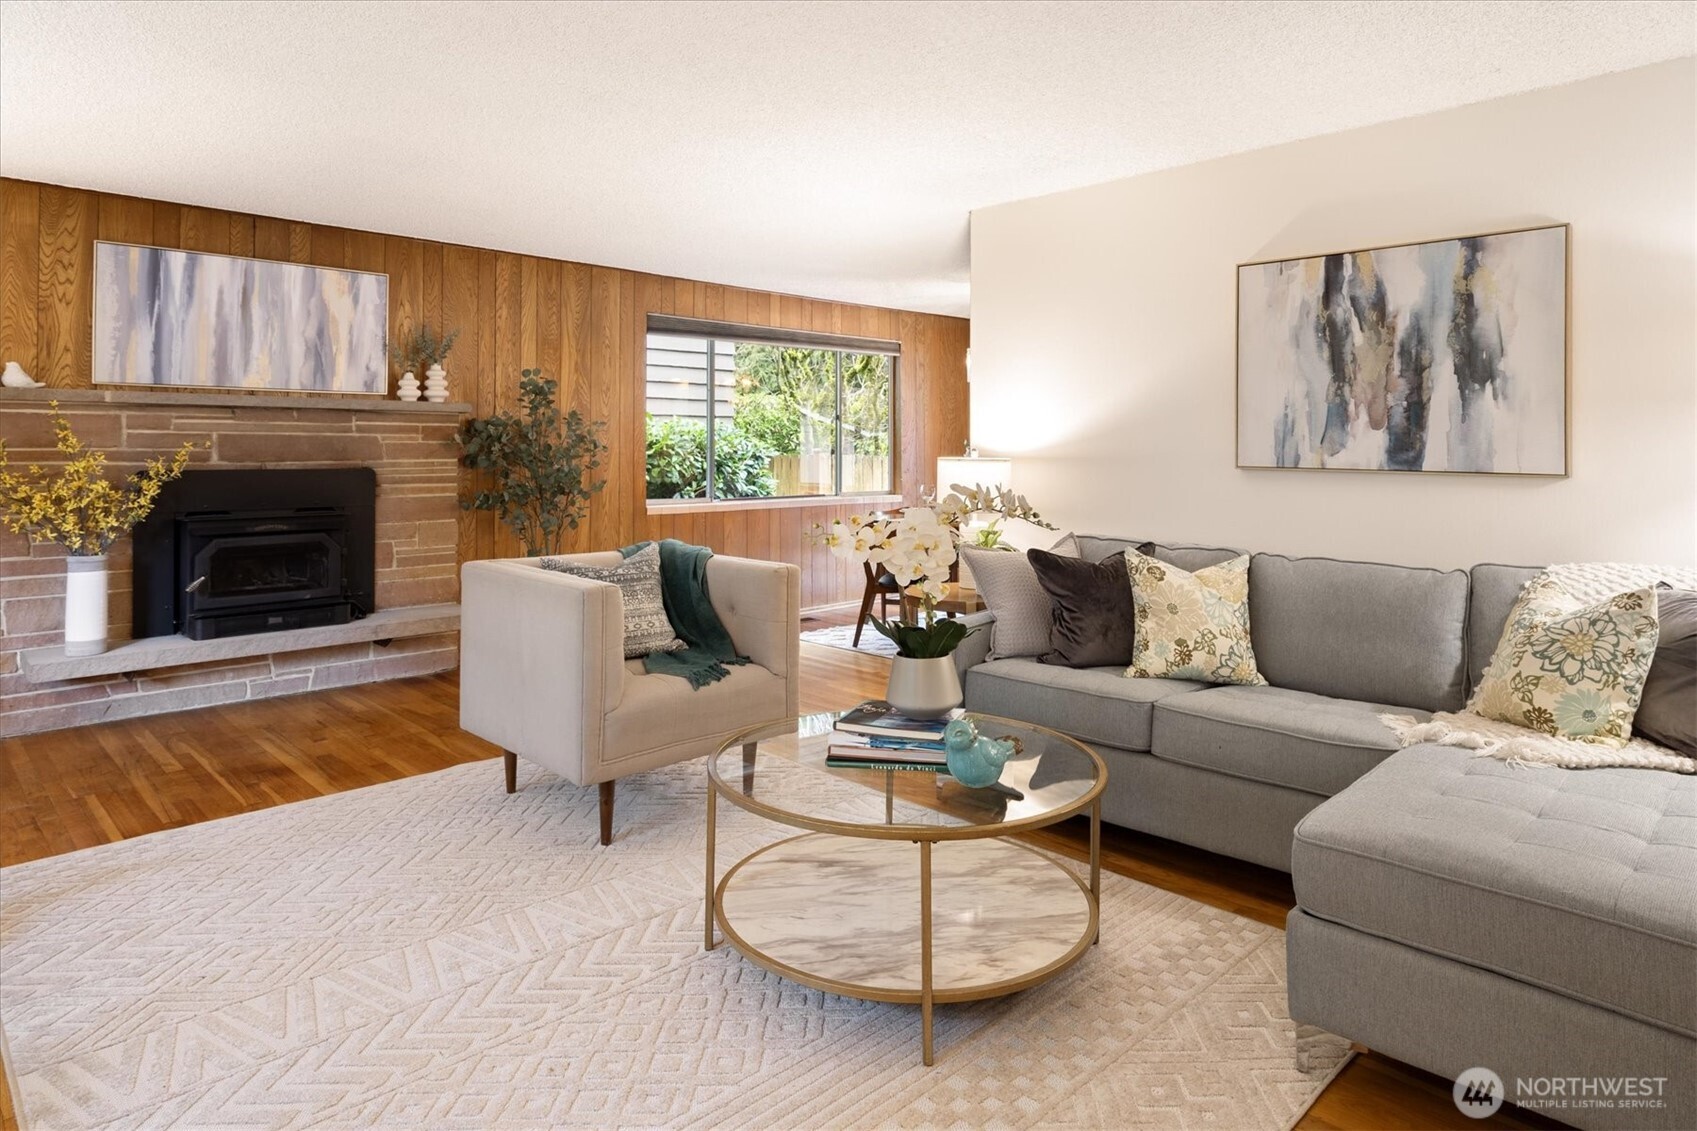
column 736, row 784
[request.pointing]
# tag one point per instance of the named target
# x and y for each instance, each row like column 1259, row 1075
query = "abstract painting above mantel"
column 193, row 318
column 1446, row 356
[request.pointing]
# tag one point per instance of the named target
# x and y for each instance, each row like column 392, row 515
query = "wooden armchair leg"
column 511, row 762
column 606, row 812
column 749, row 750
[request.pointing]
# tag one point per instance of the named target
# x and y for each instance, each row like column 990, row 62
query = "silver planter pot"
column 924, row 689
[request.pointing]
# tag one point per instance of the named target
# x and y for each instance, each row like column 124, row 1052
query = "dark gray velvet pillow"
column 1090, row 608
column 1667, row 714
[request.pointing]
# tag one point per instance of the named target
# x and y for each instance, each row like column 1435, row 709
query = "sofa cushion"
column 1095, row 547
column 1012, row 594
column 1360, row 630
column 660, row 711
column 1191, row 625
column 1570, row 667
column 1580, row 881
column 1491, row 593
column 1094, row 704
column 1668, row 711
column 1090, row 614
column 1273, row 734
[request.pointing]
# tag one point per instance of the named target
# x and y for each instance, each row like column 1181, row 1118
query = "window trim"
column 772, row 502
column 769, row 335
column 838, row 344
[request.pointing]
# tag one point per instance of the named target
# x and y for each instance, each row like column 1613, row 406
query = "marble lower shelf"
column 42, row 665
column 842, row 914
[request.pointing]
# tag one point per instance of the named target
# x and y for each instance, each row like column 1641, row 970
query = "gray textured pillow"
column 1012, row 593
column 638, row 578
column 1667, row 714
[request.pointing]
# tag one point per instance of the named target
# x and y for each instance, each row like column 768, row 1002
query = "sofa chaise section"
column 1561, row 901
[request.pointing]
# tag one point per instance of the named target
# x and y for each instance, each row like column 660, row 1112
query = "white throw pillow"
column 1012, row 594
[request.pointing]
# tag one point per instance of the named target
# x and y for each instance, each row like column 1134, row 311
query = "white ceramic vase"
column 85, row 605
column 407, row 390
column 924, row 689
column 435, row 384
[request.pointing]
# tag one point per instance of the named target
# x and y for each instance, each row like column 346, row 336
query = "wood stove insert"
column 226, row 553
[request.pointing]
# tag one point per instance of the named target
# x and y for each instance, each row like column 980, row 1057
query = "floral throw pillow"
column 1570, row 669
column 1191, row 625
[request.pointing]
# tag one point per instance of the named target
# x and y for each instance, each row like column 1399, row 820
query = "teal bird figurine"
column 974, row 760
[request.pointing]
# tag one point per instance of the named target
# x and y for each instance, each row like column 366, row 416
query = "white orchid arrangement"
column 917, row 548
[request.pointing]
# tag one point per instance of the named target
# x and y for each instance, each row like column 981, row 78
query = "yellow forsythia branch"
column 77, row 506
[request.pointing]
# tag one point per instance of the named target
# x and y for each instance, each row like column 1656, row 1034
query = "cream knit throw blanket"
column 1589, row 582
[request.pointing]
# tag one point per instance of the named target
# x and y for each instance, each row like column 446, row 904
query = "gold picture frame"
column 1447, row 356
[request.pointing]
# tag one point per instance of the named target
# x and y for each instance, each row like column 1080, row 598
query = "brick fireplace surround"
column 410, row 447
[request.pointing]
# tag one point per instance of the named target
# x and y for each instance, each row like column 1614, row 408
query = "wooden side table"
column 956, row 599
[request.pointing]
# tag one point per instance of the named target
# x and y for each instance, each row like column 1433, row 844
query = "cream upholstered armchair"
column 543, row 673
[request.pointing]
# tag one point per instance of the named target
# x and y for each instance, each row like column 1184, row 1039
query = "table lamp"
column 973, row 471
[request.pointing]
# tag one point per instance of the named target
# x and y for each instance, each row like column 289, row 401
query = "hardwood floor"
column 73, row 789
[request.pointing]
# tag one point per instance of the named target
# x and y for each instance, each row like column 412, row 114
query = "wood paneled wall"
column 580, row 324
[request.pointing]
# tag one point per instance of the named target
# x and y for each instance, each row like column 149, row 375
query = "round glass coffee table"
column 851, row 907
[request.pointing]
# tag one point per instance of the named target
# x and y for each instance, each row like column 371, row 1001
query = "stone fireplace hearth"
column 410, row 452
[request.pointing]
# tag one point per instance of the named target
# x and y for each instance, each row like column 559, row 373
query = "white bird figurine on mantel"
column 14, row 377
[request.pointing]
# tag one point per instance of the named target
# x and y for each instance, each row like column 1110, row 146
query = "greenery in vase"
column 77, row 505
column 989, row 538
column 542, row 465
column 423, row 349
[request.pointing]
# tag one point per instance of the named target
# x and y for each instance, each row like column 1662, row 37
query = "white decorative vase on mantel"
column 435, row 384
column 926, row 688
column 407, row 390
column 85, row 604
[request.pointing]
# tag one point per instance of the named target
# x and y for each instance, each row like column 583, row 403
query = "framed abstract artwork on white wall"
column 1446, row 356
column 190, row 318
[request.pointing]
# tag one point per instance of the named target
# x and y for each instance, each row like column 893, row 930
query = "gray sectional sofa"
column 1452, row 911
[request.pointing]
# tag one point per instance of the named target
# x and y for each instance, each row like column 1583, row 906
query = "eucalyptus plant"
column 422, row 349
column 542, row 465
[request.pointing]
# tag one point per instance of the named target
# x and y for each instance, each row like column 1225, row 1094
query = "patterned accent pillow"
column 1191, row 625
column 638, row 578
column 1566, row 668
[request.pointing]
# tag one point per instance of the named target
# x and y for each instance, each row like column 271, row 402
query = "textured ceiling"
column 826, row 149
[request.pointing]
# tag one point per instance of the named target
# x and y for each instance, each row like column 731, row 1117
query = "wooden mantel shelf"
column 178, row 398
column 41, row 665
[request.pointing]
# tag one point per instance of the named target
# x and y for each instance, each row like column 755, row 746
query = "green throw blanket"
column 683, row 588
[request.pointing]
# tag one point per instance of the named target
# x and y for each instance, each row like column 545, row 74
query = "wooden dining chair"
column 880, row 587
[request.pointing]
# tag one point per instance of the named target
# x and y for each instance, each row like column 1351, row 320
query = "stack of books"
column 876, row 736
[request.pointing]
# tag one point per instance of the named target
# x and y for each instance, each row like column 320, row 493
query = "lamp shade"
column 973, row 471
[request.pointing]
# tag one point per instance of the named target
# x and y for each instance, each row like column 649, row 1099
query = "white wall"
column 1103, row 330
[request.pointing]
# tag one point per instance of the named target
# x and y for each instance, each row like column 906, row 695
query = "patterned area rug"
column 433, row 952
column 872, row 641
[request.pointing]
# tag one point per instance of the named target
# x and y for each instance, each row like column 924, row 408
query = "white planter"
column 435, row 384
column 924, row 689
column 407, row 390
column 85, row 605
